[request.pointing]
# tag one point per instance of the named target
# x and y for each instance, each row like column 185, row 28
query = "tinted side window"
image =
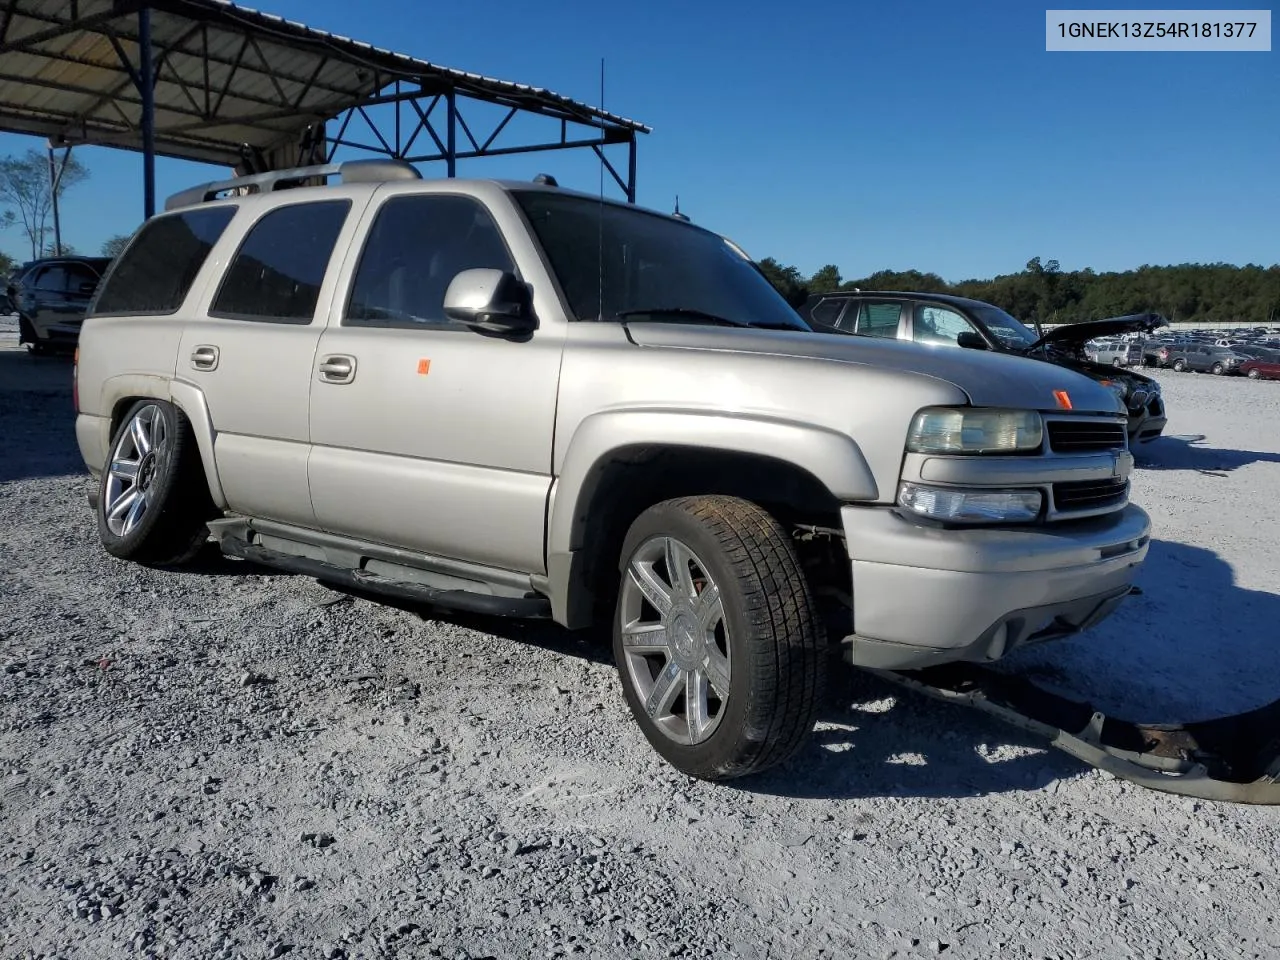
column 277, row 272
column 154, row 274
column 52, row 280
column 878, row 319
column 827, row 311
column 78, row 275
column 415, row 248
column 939, row 325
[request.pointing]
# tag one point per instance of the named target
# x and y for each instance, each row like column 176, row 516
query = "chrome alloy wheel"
column 132, row 470
column 675, row 639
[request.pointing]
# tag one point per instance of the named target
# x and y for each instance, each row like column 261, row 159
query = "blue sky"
column 933, row 135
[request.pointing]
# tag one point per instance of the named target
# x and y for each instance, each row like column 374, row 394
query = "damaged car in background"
column 947, row 320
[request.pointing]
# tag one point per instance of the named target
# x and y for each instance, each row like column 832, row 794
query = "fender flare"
column 186, row 397
column 833, row 459
column 190, row 400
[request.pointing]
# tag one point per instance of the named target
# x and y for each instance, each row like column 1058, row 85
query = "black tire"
column 26, row 334
column 172, row 527
column 1217, row 368
column 1179, row 365
column 1117, row 362
column 1254, row 374
column 772, row 635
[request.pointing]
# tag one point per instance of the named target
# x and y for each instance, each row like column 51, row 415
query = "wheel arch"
column 618, row 464
column 121, row 393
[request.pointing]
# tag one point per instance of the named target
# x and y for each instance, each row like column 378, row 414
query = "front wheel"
column 1217, row 369
column 1117, row 362
column 1253, row 374
column 717, row 637
column 153, row 502
column 1179, row 365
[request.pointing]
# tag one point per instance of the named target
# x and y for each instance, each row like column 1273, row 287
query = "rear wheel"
column 717, row 637
column 153, row 503
column 1179, row 365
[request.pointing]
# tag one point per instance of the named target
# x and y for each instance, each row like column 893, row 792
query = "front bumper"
column 924, row 595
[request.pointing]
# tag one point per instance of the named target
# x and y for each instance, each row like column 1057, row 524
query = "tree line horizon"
column 1043, row 293
column 1040, row 293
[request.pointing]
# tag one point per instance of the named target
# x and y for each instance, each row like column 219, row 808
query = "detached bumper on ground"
column 924, row 596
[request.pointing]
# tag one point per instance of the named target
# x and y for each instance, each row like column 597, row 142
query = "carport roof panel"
column 226, row 76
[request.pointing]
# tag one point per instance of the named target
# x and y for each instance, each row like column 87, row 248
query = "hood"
column 1076, row 334
column 989, row 378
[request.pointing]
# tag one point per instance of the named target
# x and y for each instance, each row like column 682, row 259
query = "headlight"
column 965, row 430
column 970, row 506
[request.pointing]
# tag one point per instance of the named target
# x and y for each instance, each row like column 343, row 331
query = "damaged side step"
column 1233, row 758
column 399, row 580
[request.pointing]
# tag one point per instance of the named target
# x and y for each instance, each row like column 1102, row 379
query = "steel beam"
column 147, row 87
column 451, row 148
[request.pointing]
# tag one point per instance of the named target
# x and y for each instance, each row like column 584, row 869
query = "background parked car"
column 51, row 296
column 1205, row 358
column 1261, row 369
column 949, row 321
column 1115, row 353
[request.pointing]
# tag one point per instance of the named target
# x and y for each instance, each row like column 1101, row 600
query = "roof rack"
column 351, row 171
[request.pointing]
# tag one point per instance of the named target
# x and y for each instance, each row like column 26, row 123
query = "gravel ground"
column 231, row 763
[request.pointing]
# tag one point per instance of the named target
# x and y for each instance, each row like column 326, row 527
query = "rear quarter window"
column 156, row 270
column 277, row 273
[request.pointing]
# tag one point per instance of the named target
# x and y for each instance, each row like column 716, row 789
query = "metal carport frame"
column 212, row 81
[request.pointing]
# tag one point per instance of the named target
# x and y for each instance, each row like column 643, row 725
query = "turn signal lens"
column 970, row 506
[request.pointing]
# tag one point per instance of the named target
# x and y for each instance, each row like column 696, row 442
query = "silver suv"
column 520, row 400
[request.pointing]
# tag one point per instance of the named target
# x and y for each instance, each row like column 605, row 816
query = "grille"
column 1081, row 436
column 1089, row 494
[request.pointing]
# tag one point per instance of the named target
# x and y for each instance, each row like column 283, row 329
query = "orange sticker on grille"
column 424, row 366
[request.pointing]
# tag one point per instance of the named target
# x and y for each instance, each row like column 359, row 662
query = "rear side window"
column 879, row 319
column 827, row 311
column 276, row 274
column 154, row 274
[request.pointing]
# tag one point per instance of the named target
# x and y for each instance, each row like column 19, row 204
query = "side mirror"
column 491, row 301
column 971, row 340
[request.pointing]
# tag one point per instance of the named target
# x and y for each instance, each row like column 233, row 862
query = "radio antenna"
column 600, row 210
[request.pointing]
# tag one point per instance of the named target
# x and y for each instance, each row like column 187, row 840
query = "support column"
column 451, row 134
column 147, row 89
column 631, row 169
column 54, row 177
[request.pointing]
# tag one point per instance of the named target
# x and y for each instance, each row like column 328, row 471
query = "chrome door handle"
column 337, row 368
column 205, row 357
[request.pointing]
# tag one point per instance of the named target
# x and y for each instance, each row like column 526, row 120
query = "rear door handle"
column 337, row 368
column 205, row 357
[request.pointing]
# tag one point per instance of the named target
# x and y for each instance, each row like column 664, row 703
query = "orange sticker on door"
column 424, row 366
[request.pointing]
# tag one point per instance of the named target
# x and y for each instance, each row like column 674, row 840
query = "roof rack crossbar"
column 351, row 171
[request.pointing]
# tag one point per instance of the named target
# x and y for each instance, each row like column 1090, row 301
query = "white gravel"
column 230, row 763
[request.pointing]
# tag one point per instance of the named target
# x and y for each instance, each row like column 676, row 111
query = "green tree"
column 114, row 246
column 25, row 193
column 827, row 278
column 786, row 280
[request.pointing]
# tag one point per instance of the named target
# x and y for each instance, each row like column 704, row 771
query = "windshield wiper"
column 695, row 314
column 682, row 312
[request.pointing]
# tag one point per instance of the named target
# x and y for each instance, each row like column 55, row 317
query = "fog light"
column 970, row 506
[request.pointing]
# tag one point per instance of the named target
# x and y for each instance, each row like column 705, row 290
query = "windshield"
column 1004, row 327
column 654, row 267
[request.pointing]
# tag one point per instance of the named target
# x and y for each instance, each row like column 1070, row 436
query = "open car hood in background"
column 1079, row 333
